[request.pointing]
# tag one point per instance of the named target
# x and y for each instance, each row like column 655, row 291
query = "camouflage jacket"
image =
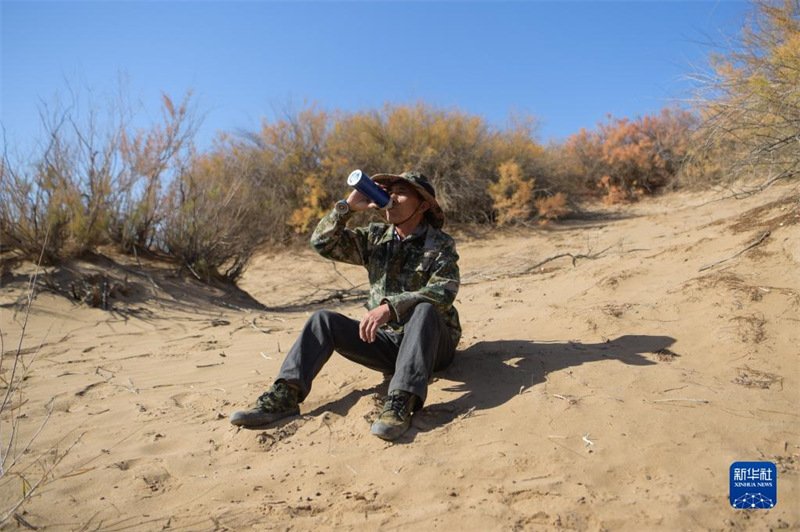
column 421, row 268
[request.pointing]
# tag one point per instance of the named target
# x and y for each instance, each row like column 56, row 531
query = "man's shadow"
column 491, row 373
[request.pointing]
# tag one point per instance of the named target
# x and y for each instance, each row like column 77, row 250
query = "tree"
column 751, row 101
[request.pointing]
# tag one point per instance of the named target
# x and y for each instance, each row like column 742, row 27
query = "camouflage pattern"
column 280, row 401
column 421, row 268
column 279, row 398
column 395, row 418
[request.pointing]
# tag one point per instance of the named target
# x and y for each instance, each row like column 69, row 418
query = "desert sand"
column 609, row 392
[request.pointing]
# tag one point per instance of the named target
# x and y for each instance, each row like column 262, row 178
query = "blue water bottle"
column 364, row 184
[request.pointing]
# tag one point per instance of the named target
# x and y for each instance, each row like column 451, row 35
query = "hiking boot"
column 278, row 402
column 395, row 418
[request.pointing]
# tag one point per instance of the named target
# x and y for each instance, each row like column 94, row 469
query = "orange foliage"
column 512, row 194
column 552, row 207
column 626, row 158
column 314, row 205
column 752, row 104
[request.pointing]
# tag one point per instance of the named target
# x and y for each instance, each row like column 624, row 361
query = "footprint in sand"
column 155, row 477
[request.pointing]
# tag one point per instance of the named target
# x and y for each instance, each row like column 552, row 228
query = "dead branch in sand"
column 590, row 256
column 210, row 365
column 466, row 279
column 194, row 272
column 677, row 399
column 333, row 295
column 749, row 246
column 252, row 324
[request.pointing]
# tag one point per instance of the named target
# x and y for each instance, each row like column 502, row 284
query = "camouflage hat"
column 423, row 187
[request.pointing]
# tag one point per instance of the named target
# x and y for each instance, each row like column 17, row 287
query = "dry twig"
column 687, row 399
column 16, row 457
column 590, row 256
column 749, row 246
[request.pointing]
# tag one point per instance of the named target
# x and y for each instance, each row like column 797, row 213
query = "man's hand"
column 372, row 320
column 359, row 202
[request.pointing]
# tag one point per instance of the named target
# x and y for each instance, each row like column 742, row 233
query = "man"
column 411, row 328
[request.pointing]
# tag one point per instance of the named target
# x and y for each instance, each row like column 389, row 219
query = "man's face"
column 406, row 202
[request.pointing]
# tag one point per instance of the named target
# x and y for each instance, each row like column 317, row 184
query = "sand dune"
column 612, row 393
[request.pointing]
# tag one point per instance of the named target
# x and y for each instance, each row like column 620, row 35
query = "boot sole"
column 260, row 419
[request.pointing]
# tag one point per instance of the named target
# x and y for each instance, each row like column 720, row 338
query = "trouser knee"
column 323, row 319
column 422, row 311
column 322, row 316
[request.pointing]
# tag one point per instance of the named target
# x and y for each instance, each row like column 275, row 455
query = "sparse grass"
column 786, row 210
column 666, row 355
column 751, row 328
column 752, row 378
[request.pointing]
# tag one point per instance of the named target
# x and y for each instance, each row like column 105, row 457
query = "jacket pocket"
column 427, row 260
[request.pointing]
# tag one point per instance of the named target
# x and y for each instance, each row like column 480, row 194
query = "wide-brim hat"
column 421, row 184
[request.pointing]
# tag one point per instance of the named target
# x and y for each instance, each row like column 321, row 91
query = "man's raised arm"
column 333, row 240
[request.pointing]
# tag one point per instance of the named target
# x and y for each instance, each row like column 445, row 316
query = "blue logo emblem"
column 754, row 485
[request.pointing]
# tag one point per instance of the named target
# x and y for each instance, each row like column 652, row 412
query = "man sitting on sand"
column 412, row 327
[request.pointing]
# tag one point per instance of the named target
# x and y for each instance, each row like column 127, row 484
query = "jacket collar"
column 420, row 232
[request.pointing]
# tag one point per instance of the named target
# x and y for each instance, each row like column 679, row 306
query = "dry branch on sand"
column 574, row 257
column 527, row 270
column 749, row 246
column 17, row 461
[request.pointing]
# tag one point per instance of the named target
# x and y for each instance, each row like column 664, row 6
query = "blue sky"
column 567, row 63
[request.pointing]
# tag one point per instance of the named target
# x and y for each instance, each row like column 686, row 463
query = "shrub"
column 552, row 207
column 32, row 221
column 88, row 186
column 627, row 158
column 313, row 206
column 211, row 223
column 150, row 156
column 460, row 153
column 512, row 194
column 287, row 172
column 449, row 147
column 62, row 195
column 751, row 101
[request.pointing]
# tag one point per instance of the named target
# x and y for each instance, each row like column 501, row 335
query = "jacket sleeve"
column 333, row 240
column 440, row 291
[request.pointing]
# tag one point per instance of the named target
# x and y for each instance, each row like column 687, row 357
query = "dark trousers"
column 424, row 347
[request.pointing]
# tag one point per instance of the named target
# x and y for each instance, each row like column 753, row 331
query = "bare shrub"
column 211, row 219
column 60, row 192
column 150, row 157
column 23, row 470
column 91, row 182
column 707, row 161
